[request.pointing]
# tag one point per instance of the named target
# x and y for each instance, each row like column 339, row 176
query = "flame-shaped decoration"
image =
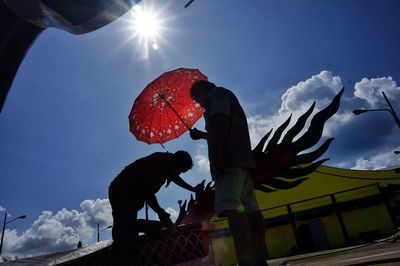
column 282, row 160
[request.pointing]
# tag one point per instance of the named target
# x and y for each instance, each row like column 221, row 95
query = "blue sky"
column 64, row 126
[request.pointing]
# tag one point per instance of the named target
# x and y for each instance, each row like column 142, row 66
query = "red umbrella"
column 164, row 110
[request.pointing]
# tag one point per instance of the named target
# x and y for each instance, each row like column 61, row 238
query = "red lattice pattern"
column 186, row 246
column 165, row 250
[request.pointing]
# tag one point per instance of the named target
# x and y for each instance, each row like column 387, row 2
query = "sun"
column 146, row 26
column 145, row 23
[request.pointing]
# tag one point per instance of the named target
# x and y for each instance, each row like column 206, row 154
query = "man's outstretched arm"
column 153, row 203
column 180, row 182
column 162, row 214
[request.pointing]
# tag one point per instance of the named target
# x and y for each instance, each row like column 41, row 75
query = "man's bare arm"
column 153, row 203
column 162, row 214
column 180, row 182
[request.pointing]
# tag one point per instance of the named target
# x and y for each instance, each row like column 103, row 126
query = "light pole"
column 4, row 227
column 99, row 231
column 390, row 110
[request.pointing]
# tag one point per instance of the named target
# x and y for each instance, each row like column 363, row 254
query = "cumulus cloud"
column 172, row 212
column 202, row 163
column 201, row 159
column 59, row 231
column 2, row 209
column 378, row 161
column 296, row 100
column 321, row 87
column 355, row 136
column 370, row 90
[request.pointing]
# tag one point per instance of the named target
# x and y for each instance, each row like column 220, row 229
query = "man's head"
column 183, row 161
column 200, row 91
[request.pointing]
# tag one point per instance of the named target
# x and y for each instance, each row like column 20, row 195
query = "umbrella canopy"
column 164, row 110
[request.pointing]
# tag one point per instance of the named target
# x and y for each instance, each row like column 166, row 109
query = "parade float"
column 307, row 206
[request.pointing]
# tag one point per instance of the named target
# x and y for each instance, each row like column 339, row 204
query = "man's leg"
column 124, row 230
column 256, row 224
column 238, row 225
column 228, row 191
column 257, row 238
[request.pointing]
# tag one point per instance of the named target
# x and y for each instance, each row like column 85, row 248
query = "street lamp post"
column 4, row 227
column 99, row 231
column 390, row 110
column 189, row 3
column 393, row 112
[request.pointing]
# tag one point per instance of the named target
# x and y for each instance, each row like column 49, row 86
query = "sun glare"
column 145, row 24
column 146, row 27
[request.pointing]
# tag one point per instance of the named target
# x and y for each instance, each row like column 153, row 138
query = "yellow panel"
column 333, row 231
column 324, row 181
column 224, row 251
column 280, row 241
column 367, row 220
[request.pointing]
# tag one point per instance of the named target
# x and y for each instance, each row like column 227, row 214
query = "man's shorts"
column 234, row 191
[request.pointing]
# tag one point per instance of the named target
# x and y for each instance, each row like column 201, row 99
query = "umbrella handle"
column 170, row 106
column 162, row 145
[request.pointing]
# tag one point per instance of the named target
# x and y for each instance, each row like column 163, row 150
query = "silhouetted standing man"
column 138, row 183
column 231, row 165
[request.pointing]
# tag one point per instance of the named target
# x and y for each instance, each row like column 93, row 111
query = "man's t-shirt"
column 145, row 176
column 237, row 147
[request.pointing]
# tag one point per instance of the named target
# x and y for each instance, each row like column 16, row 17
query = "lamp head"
column 359, row 111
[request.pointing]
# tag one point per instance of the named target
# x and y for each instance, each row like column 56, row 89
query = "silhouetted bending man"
column 231, row 165
column 138, row 183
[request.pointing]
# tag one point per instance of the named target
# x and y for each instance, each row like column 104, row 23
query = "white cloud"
column 202, row 163
column 201, row 159
column 370, row 90
column 2, row 209
column 259, row 125
column 59, row 231
column 379, row 160
column 321, row 87
column 375, row 133
column 296, row 100
column 174, row 213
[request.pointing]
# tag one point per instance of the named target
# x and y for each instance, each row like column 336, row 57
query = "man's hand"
column 196, row 134
column 164, row 218
column 198, row 188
